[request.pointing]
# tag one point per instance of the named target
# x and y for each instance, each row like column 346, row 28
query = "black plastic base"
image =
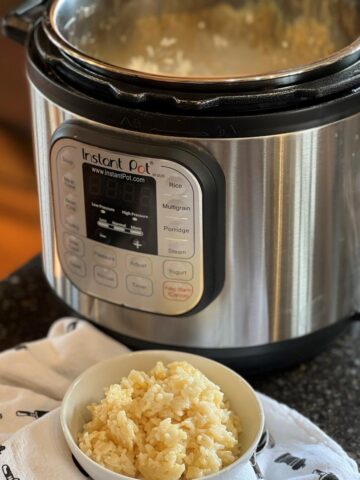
column 254, row 360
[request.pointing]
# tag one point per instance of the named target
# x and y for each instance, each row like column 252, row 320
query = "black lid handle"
column 18, row 23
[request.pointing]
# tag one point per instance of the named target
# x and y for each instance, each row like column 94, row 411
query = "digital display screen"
column 120, row 209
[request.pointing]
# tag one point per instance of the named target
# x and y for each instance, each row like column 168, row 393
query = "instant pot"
column 214, row 214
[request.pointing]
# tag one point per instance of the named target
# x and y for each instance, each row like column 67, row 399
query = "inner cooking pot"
column 207, row 39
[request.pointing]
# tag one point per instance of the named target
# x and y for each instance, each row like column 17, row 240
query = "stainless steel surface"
column 292, row 238
column 154, row 291
column 69, row 24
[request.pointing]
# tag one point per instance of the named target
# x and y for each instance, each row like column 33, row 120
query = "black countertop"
column 326, row 389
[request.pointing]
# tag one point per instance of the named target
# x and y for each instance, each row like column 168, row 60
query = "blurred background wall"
column 19, row 222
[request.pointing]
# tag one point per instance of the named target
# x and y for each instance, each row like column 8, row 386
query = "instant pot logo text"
column 132, row 166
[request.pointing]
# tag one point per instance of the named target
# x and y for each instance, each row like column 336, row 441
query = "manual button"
column 75, row 264
column 179, row 292
column 138, row 265
column 105, row 276
column 139, row 285
column 178, row 270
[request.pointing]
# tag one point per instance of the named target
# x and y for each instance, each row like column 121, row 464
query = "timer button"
column 105, row 276
column 75, row 264
column 178, row 292
column 139, row 285
column 178, row 270
column 66, row 158
column 72, row 223
column 177, row 185
column 74, row 244
column 69, row 181
column 138, row 265
column 105, row 257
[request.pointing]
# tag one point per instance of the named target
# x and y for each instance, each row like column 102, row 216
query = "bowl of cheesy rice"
column 161, row 415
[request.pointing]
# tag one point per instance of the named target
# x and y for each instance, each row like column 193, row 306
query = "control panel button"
column 72, row 223
column 138, row 265
column 70, row 202
column 179, row 249
column 177, row 185
column 176, row 208
column 177, row 229
column 178, row 270
column 69, row 181
column 75, row 264
column 66, row 157
column 139, row 285
column 105, row 276
column 179, row 292
column 104, row 256
column 74, row 244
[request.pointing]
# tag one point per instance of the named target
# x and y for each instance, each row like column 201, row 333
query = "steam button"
column 139, row 285
column 105, row 276
column 179, row 249
column 179, row 292
column 75, row 264
column 74, row 244
column 177, row 185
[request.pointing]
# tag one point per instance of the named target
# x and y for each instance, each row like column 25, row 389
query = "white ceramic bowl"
column 89, row 388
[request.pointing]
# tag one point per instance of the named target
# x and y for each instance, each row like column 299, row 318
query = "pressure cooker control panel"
column 129, row 226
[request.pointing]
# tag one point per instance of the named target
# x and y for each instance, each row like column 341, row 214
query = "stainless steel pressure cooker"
column 198, row 192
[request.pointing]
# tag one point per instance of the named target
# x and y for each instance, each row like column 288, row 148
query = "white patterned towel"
column 34, row 378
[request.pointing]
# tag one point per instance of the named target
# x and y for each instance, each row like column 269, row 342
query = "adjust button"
column 69, row 181
column 104, row 256
column 139, row 285
column 178, row 270
column 66, row 157
column 105, row 276
column 177, row 185
column 75, row 264
column 179, row 292
column 74, row 244
column 138, row 265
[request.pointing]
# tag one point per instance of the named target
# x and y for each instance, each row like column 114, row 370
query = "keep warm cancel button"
column 179, row 292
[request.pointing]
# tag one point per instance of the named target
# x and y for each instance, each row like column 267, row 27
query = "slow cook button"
column 179, row 249
column 138, row 265
column 66, row 157
column 104, row 256
column 178, row 270
column 74, row 244
column 75, row 264
column 105, row 276
column 177, row 229
column 139, row 285
column 179, row 292
column 69, row 181
column 176, row 185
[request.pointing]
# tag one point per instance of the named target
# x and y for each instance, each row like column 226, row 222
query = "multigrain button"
column 66, row 157
column 176, row 208
column 70, row 202
column 138, row 265
column 69, row 181
column 179, row 249
column 139, row 285
column 104, row 256
column 72, row 223
column 105, row 276
column 74, row 244
column 177, row 185
column 178, row 270
column 179, row 292
column 75, row 264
